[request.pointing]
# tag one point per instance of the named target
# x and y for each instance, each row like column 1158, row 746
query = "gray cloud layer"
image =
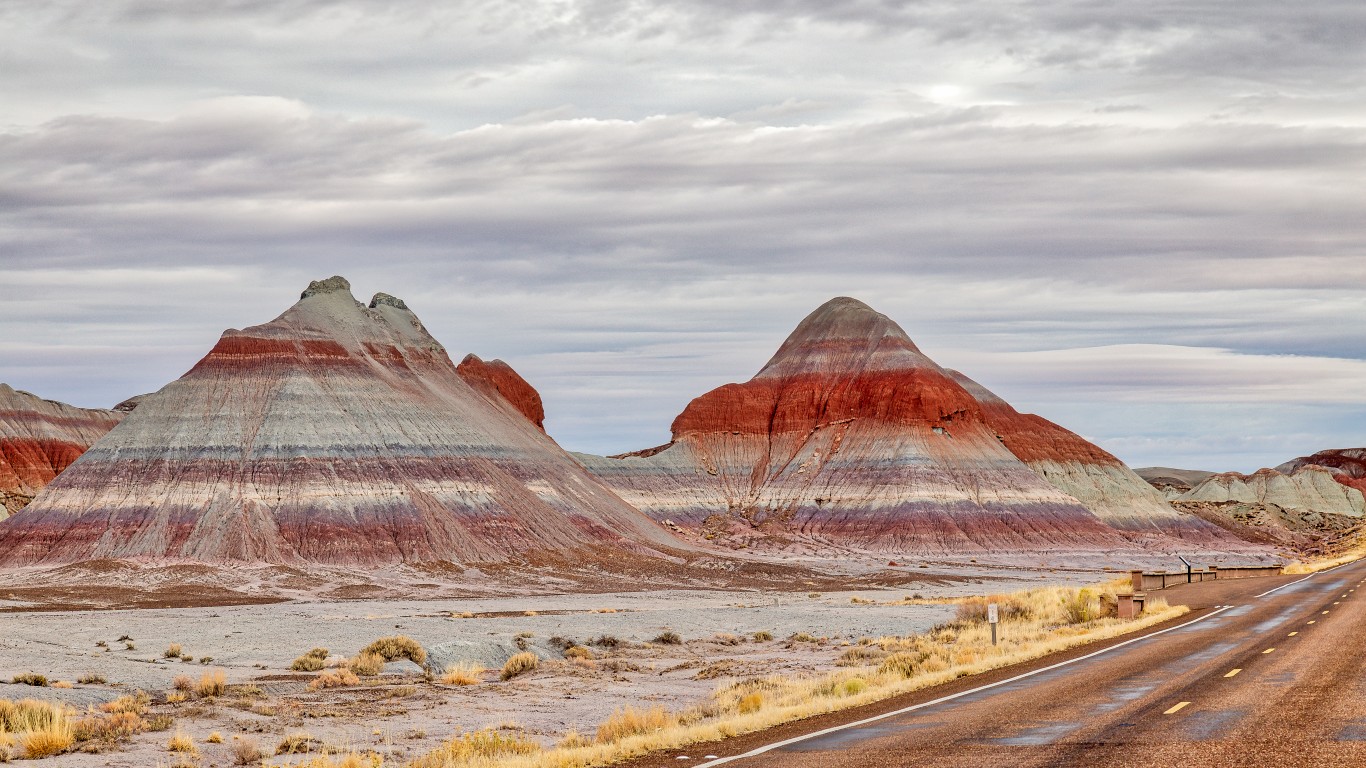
column 1143, row 222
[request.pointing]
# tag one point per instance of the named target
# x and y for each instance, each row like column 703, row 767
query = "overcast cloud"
column 1142, row 221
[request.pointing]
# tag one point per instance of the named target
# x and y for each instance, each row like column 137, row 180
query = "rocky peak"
column 333, row 284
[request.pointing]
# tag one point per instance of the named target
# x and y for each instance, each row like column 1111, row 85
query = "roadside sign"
column 993, row 613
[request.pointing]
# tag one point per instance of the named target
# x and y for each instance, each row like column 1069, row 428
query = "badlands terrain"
column 331, row 477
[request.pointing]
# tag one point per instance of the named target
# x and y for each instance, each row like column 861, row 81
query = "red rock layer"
column 851, row 436
column 1348, row 465
column 501, row 385
column 338, row 433
column 38, row 440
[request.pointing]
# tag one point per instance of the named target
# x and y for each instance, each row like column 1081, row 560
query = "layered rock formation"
column 1297, row 485
column 851, row 436
column 1077, row 467
column 1172, row 482
column 38, row 440
column 337, row 433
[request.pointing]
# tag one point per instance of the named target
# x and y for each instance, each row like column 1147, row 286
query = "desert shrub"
column 572, row 739
column 158, row 723
column 178, row 697
column 367, row 664
column 312, row 661
column 605, row 641
column 476, row 746
column 398, row 647
column 561, row 642
column 47, row 742
column 136, row 703
column 803, row 637
column 91, row 678
column 30, row 678
column 297, row 743
column 211, row 684
column 725, row 638
column 172, row 651
column 63, row 684
column 973, row 610
column 205, row 659
column 181, row 742
column 129, row 645
column 520, row 664
column 335, row 678
column 246, row 752
column 630, row 721
column 182, row 683
column 763, row 636
column 903, row 663
column 462, row 673
column 668, row 638
column 751, row 702
column 214, row 738
column 108, row 727
column 850, row 687
column 860, row 655
column 577, row 652
column 1080, row 607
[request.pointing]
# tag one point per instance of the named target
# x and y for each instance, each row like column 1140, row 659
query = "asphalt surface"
column 1171, row 698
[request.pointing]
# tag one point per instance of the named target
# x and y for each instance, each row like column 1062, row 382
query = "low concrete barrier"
column 1147, row 582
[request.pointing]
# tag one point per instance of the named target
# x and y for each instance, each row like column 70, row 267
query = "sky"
column 1143, row 221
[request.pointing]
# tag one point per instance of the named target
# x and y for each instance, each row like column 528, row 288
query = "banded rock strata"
column 39, row 439
column 1079, row 468
column 1328, row 482
column 338, row 433
column 850, row 435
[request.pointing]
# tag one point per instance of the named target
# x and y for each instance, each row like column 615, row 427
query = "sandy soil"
column 402, row 714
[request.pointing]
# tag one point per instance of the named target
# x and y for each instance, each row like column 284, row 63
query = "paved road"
column 1275, row 680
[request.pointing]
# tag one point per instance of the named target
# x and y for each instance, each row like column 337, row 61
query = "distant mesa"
column 1331, row 482
column 39, row 439
column 339, row 433
column 850, row 436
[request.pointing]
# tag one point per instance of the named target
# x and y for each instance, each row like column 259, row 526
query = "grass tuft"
column 212, row 683
column 475, row 748
column 367, row 664
column 462, row 673
column 312, row 661
column 398, row 647
column 30, row 678
column 335, row 678
column 519, row 664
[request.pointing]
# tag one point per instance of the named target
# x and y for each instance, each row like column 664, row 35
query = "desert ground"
column 404, row 712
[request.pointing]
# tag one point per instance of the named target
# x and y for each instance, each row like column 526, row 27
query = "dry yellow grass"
column 398, row 647
column 181, row 742
column 1041, row 625
column 1314, row 566
column 519, row 664
column 40, row 728
column 463, row 673
column 172, row 651
column 367, row 664
column 335, row 678
column 214, row 738
column 475, row 749
column 312, row 661
column 212, row 683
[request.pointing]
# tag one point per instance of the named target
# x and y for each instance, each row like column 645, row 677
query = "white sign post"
column 993, row 616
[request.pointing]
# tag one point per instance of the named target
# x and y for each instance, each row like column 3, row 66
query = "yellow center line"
column 1338, row 603
column 1177, row 708
column 1311, row 622
column 1292, row 634
column 1268, row 650
column 1234, row 672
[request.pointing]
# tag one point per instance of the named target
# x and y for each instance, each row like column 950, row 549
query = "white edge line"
column 1306, row 578
column 950, row 697
column 1291, row 583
